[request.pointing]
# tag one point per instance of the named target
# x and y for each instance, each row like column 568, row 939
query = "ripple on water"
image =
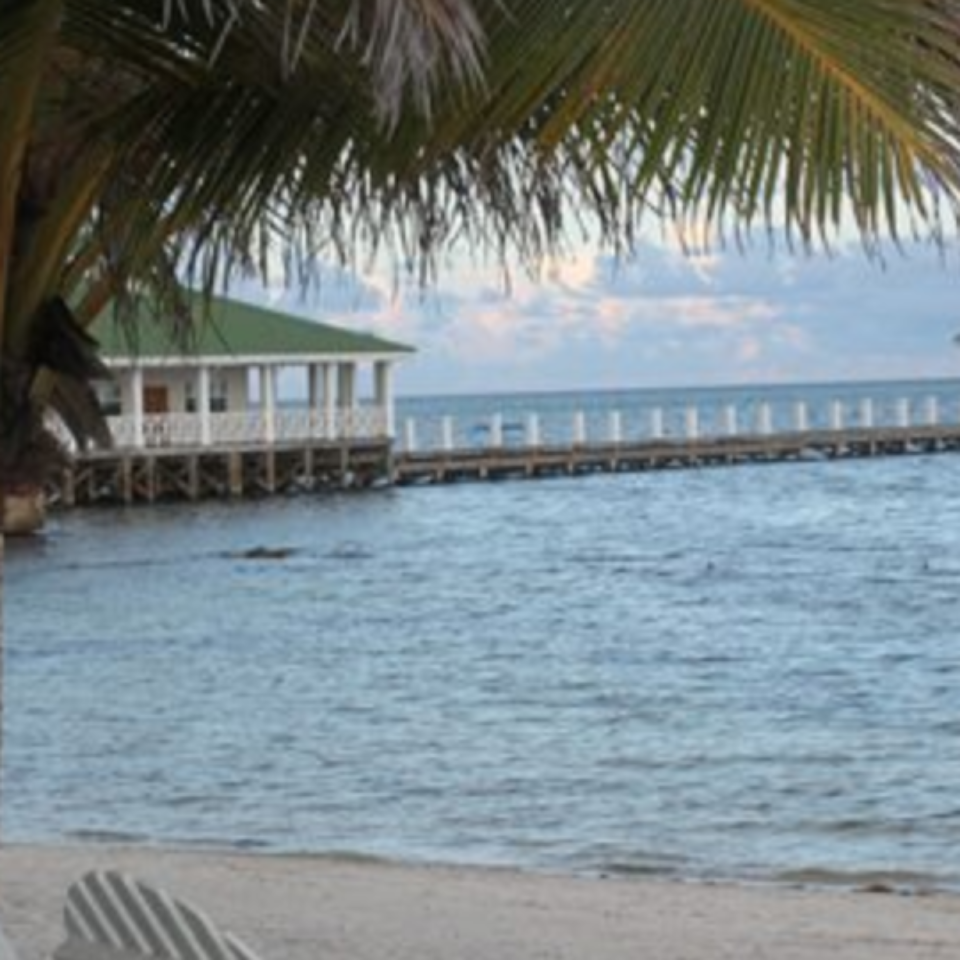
column 745, row 673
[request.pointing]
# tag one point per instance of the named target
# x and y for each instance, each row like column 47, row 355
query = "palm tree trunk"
column 2, row 724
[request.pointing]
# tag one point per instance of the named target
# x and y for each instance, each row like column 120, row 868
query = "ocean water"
column 749, row 672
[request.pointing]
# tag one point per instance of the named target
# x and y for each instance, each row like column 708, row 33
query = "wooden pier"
column 158, row 474
column 188, row 473
column 609, row 457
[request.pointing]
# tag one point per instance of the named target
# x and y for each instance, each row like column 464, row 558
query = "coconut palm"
column 145, row 141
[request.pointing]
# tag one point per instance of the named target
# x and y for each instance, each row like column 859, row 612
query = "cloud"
column 662, row 318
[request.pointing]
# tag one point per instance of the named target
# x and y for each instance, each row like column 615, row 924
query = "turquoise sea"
column 749, row 672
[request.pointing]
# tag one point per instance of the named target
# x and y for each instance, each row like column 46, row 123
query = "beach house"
column 246, row 375
column 252, row 402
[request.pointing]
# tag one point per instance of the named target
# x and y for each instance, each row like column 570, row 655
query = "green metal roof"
column 234, row 329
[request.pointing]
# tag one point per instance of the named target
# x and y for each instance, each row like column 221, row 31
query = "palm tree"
column 144, row 141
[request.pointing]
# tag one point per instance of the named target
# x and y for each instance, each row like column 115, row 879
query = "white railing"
column 679, row 421
column 248, row 427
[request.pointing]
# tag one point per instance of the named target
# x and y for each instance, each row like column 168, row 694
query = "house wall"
column 181, row 384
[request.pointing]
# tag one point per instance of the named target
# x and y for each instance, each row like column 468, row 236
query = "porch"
column 251, row 378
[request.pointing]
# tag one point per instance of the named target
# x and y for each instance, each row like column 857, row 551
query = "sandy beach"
column 304, row 908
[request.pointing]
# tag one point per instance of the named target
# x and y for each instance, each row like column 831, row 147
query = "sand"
column 314, row 908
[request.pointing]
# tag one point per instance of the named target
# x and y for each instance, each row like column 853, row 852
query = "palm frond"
column 28, row 31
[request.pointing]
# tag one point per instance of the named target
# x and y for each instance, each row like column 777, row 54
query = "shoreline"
column 296, row 906
column 879, row 880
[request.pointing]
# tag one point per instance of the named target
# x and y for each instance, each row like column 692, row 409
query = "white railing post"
column 730, row 425
column 446, row 433
column 656, row 423
column 495, row 438
column 533, row 430
column 801, row 418
column 866, row 413
column 903, row 412
column 836, row 415
column 933, row 411
column 579, row 429
column 764, row 419
column 410, row 435
column 692, row 423
column 616, row 427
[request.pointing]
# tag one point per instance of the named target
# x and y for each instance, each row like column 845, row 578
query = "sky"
column 664, row 318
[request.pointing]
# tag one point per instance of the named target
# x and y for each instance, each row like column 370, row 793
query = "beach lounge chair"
column 110, row 916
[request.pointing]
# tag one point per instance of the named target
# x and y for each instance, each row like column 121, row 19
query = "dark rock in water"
column 877, row 886
column 264, row 553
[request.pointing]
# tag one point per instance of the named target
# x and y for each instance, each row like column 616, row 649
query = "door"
column 156, row 400
column 156, row 405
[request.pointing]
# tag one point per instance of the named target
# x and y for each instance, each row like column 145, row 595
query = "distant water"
column 747, row 672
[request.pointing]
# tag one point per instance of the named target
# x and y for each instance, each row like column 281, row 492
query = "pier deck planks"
column 170, row 473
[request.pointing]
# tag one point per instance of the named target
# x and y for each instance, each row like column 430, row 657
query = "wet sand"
column 316, row 908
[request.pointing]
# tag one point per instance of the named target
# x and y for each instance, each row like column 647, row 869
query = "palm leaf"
column 28, row 31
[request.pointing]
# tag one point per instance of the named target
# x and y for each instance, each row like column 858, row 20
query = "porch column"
column 329, row 402
column 314, row 393
column 268, row 403
column 383, row 395
column 203, row 404
column 347, row 396
column 347, row 385
column 136, row 397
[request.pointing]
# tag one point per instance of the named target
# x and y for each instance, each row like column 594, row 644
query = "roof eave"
column 257, row 360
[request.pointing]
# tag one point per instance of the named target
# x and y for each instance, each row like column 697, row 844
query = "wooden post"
column 150, row 475
column 69, row 487
column 193, row 477
column 126, row 480
column 270, row 471
column 235, row 473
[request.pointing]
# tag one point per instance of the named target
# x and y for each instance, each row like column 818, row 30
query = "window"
column 108, row 396
column 219, row 394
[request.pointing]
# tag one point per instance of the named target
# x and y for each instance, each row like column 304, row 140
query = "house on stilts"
column 253, row 401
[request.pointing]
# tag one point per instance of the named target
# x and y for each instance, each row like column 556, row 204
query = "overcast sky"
column 665, row 318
